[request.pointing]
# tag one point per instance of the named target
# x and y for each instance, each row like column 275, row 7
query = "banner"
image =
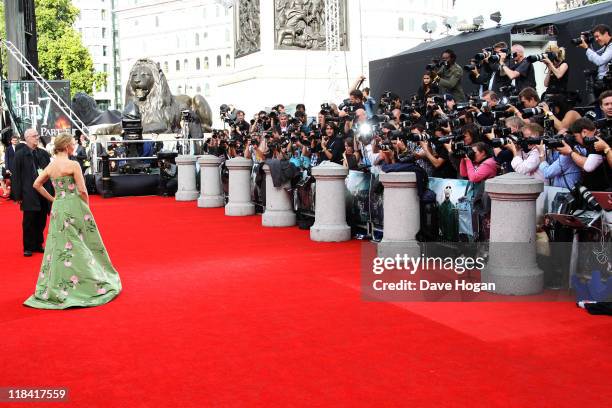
column 32, row 108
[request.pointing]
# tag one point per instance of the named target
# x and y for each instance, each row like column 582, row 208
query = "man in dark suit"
column 9, row 160
column 29, row 163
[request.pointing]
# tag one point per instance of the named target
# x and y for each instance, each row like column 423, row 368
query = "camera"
column 556, row 141
column 507, row 90
column 385, row 146
column 529, row 112
column 581, row 193
column 501, row 141
column 416, row 137
column 588, row 38
column 460, row 149
column 539, row 57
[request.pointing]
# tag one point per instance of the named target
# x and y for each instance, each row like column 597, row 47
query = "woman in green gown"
column 76, row 269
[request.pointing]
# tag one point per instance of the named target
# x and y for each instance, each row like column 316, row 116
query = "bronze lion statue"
column 160, row 111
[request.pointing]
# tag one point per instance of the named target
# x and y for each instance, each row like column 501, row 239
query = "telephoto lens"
column 581, row 192
column 539, row 57
column 416, row 137
column 529, row 112
column 501, row 141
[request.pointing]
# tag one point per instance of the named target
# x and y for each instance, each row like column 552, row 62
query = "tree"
column 61, row 53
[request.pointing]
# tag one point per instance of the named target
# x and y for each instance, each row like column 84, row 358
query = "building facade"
column 193, row 42
column 95, row 24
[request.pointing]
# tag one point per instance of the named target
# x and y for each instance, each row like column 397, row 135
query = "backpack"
column 430, row 222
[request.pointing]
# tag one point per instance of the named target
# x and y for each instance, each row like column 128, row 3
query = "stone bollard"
column 210, row 182
column 401, row 215
column 279, row 207
column 186, row 177
column 330, row 207
column 239, row 202
column 512, row 263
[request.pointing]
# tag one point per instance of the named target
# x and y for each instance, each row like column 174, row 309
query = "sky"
column 511, row 10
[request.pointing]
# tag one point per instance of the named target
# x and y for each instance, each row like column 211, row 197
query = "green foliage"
column 61, row 53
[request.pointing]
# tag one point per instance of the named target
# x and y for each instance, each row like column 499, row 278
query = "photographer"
column 595, row 175
column 484, row 117
column 433, row 110
column 478, row 75
column 560, row 169
column 502, row 155
column 261, row 123
column 470, row 135
column 527, row 161
column 557, row 73
column 255, row 148
column 240, row 126
column 601, row 146
column 530, row 100
column 601, row 57
column 351, row 127
column 449, row 77
column 355, row 101
column 332, row 145
column 299, row 152
column 393, row 149
column 479, row 165
column 351, row 156
column 605, row 103
column 438, row 157
column 519, row 69
column 492, row 70
column 283, row 123
column 303, row 126
column 369, row 103
column 427, row 88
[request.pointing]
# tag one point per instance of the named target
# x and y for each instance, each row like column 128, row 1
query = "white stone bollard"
column 211, row 190
column 239, row 203
column 401, row 215
column 279, row 207
column 512, row 263
column 186, row 178
column 330, row 206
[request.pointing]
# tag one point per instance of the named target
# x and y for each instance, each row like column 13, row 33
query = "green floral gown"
column 76, row 270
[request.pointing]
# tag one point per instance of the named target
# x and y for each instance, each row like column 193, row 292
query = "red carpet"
column 218, row 311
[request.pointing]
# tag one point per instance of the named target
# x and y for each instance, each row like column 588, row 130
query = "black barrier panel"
column 401, row 73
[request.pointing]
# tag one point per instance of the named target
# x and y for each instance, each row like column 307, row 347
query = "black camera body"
column 539, row 57
column 588, row 38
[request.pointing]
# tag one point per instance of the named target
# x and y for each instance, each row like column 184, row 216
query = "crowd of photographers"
column 506, row 126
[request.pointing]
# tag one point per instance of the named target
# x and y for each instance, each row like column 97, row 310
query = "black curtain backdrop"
column 402, row 73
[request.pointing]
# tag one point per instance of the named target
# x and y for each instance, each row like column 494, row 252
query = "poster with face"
column 33, row 108
column 447, row 188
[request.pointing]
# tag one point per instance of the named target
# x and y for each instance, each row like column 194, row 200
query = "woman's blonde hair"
column 560, row 51
column 62, row 142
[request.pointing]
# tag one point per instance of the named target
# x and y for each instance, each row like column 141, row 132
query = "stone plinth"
column 279, row 207
column 401, row 215
column 211, row 190
column 330, row 208
column 239, row 200
column 186, row 178
column 512, row 263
